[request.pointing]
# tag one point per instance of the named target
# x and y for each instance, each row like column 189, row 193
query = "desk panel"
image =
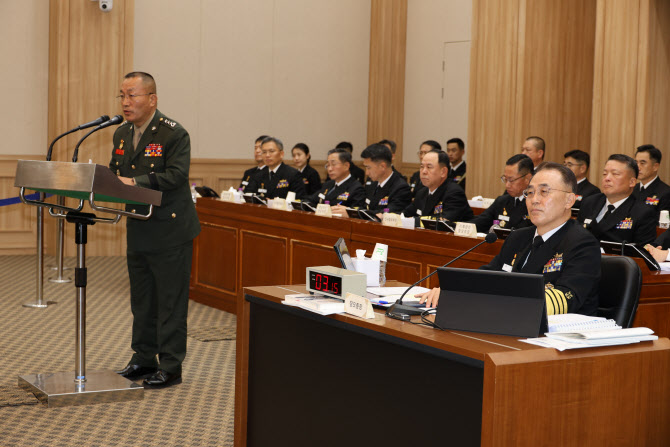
column 280, row 244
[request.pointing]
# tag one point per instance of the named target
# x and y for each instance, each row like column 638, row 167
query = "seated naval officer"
column 534, row 148
column 456, row 151
column 509, row 209
column 415, row 180
column 616, row 214
column 357, row 172
column 578, row 162
column 342, row 190
column 650, row 190
column 557, row 246
column 260, row 163
column 278, row 179
column 387, row 189
column 440, row 197
column 310, row 176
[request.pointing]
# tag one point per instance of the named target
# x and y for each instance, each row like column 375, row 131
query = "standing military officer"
column 152, row 151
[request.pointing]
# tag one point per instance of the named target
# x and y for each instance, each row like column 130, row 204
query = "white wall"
column 24, row 47
column 231, row 70
column 435, row 29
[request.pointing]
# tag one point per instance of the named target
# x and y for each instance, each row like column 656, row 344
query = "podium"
column 88, row 183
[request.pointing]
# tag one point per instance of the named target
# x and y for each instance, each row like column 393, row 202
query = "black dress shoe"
column 137, row 372
column 162, row 379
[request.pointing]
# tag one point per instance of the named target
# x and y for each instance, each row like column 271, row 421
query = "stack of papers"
column 386, row 296
column 592, row 338
column 319, row 304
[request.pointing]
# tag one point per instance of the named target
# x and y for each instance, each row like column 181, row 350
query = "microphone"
column 102, row 119
column 116, row 119
column 398, row 308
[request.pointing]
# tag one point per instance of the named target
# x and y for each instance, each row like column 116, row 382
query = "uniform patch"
column 555, row 264
column 578, row 197
column 283, row 183
column 625, row 224
column 169, row 123
column 651, row 201
column 119, row 151
column 153, row 150
column 384, row 201
column 305, row 181
column 548, row 286
column 343, row 196
column 438, row 208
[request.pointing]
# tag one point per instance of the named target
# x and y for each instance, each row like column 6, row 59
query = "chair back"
column 619, row 293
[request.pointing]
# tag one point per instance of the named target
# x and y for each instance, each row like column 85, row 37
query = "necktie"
column 610, row 210
column 537, row 242
column 136, row 138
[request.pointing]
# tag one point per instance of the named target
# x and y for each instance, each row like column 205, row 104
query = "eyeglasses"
column 569, row 165
column 505, row 179
column 123, row 97
column 331, row 165
column 543, row 191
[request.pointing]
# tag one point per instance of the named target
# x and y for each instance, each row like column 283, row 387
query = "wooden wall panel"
column 263, row 258
column 386, row 91
column 556, row 75
column 308, row 254
column 493, row 76
column 218, row 269
column 17, row 222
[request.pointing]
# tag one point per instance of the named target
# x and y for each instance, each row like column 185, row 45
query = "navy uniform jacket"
column 398, row 172
column 161, row 162
column 448, row 201
column 284, row 180
column 569, row 262
column 510, row 213
column 248, row 174
column 415, row 183
column 656, row 195
column 311, row 179
column 584, row 190
column 395, row 195
column 358, row 173
column 350, row 193
column 663, row 240
column 631, row 222
column 458, row 175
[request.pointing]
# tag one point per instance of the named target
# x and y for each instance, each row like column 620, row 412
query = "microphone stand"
column 397, row 309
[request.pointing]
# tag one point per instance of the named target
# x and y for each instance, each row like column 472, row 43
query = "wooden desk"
column 244, row 245
column 307, row 380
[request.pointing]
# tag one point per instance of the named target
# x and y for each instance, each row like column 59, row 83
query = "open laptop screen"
column 492, row 302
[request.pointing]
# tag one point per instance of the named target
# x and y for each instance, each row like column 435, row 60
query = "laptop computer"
column 492, row 302
column 631, row 250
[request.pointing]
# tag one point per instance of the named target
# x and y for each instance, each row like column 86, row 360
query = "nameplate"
column 391, row 220
column 487, row 202
column 290, row 196
column 227, row 196
column 323, row 210
column 465, row 229
column 358, row 306
column 279, row 204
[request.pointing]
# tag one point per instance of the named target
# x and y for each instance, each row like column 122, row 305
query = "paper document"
column 388, row 291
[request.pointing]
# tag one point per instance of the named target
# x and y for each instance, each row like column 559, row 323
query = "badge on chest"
column 153, row 150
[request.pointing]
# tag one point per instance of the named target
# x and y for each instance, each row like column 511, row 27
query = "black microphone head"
column 491, row 238
column 104, row 118
column 116, row 119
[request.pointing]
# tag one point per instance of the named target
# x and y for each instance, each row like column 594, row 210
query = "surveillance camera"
column 105, row 5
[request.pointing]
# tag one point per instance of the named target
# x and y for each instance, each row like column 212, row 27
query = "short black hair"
column 628, row 161
column 524, row 162
column 390, row 143
column 274, row 140
column 146, row 78
column 653, row 151
column 458, row 141
column 432, row 143
column 578, row 155
column 303, row 147
column 567, row 175
column 378, row 152
column 260, row 139
column 538, row 142
column 345, row 145
column 442, row 157
column 343, row 154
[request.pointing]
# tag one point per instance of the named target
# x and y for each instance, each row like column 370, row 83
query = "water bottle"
column 496, row 224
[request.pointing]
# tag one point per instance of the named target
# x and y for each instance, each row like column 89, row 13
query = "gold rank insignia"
column 153, row 128
column 504, row 211
column 121, row 145
column 568, row 295
column 548, row 286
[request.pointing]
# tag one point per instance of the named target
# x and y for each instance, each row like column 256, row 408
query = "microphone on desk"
column 95, row 122
column 116, row 119
column 399, row 308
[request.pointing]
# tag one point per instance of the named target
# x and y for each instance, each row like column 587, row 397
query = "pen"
column 339, row 203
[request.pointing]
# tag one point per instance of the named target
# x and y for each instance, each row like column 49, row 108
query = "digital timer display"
column 322, row 282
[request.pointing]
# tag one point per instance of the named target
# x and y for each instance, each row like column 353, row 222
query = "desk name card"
column 358, row 306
